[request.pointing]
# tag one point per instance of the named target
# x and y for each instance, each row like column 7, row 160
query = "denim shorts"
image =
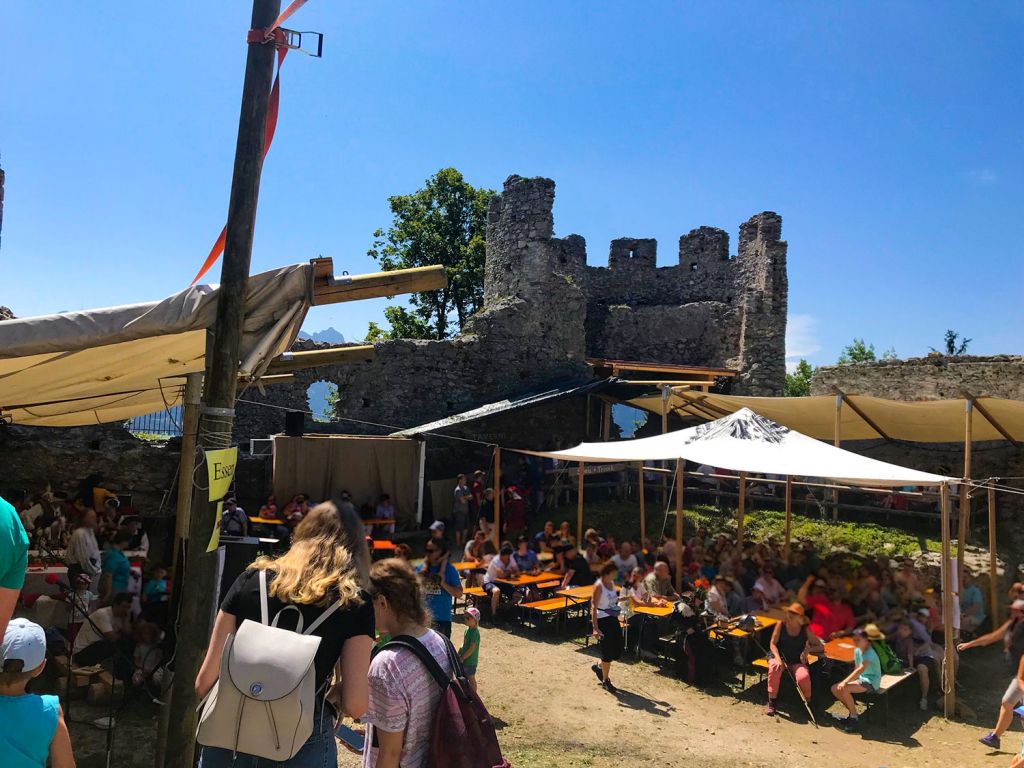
column 319, row 751
column 470, row 669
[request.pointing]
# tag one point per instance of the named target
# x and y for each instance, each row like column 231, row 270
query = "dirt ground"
column 551, row 713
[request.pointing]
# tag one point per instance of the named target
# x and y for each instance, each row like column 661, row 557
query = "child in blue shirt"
column 34, row 727
column 865, row 678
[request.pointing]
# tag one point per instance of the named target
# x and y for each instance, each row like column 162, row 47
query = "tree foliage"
column 443, row 223
column 955, row 344
column 798, row 383
column 857, row 352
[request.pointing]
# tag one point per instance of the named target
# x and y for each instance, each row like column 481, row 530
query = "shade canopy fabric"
column 322, row 466
column 745, row 441
column 861, row 417
column 103, row 365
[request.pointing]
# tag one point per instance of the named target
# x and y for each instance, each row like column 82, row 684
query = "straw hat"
column 873, row 632
column 797, row 610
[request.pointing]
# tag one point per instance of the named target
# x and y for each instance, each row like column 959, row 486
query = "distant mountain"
column 328, row 335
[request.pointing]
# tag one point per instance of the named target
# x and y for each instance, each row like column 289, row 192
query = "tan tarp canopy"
column 324, row 465
column 103, row 365
column 861, row 417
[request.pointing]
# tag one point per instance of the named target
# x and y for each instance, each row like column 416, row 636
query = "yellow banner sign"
column 215, row 536
column 220, row 468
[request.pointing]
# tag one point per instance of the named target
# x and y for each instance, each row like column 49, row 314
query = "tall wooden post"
column 198, row 584
column 187, row 461
column 606, row 421
column 741, row 510
column 497, row 498
column 666, row 391
column 579, row 507
column 679, row 525
column 643, row 508
column 963, row 523
column 836, row 431
column 949, row 700
column 993, row 564
column 789, row 517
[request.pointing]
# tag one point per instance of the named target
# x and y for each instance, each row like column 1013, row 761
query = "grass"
column 621, row 520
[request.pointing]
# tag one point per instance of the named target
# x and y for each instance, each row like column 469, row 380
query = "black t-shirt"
column 582, row 576
column 243, row 602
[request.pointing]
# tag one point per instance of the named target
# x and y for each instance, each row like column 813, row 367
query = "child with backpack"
column 470, row 653
column 887, row 658
column 34, row 727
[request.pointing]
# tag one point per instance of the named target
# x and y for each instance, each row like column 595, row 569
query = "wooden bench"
column 550, row 608
column 882, row 694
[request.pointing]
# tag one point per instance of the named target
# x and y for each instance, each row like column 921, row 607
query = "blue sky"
column 888, row 136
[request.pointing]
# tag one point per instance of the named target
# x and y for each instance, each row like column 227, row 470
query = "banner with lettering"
column 220, row 468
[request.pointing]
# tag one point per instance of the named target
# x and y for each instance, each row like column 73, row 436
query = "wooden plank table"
column 379, row 521
column 527, row 579
column 263, row 521
column 469, row 565
column 840, row 649
column 384, row 546
column 658, row 611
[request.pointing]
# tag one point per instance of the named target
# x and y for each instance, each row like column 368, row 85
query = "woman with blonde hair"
column 326, row 564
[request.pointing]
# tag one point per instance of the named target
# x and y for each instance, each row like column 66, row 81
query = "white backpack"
column 263, row 702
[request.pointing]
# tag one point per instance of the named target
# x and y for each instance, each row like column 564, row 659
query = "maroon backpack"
column 462, row 735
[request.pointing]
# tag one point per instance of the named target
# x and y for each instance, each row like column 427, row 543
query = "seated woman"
column 866, row 677
column 790, row 645
column 385, row 510
column 269, row 511
column 296, row 509
column 640, row 597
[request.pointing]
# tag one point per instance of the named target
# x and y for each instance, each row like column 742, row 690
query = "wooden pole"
column 836, row 441
column 993, row 565
column 198, row 584
column 335, row 290
column 949, row 699
column 497, row 497
column 679, row 525
column 665, row 393
column 606, row 421
column 187, row 460
column 964, row 519
column 741, row 511
column 789, row 517
column 579, row 507
column 643, row 508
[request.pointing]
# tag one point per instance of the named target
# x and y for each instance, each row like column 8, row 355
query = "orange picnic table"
column 379, row 521
column 840, row 649
column 469, row 565
column 264, row 521
column 658, row 611
column 383, row 546
column 529, row 579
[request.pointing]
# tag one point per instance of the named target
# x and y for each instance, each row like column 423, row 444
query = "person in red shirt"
column 831, row 616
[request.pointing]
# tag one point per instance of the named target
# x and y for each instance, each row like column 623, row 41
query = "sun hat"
column 474, row 612
column 797, row 610
column 24, row 641
column 873, row 632
column 437, row 525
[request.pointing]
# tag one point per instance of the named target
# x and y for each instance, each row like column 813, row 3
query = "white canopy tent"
column 747, row 442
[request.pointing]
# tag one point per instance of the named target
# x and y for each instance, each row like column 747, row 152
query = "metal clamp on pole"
column 286, row 38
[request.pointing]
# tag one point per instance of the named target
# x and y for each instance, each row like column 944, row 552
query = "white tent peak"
column 744, row 424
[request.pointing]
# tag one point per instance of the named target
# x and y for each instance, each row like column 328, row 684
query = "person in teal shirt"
column 116, row 568
column 34, row 729
column 13, row 561
column 866, row 677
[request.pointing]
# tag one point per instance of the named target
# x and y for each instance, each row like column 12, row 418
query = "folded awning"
column 108, row 365
column 748, row 442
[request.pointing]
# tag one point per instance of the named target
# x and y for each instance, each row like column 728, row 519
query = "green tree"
column 857, row 352
column 798, row 383
column 443, row 223
column 331, row 407
column 954, row 344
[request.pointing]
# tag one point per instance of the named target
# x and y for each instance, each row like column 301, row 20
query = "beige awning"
column 861, row 417
column 108, row 365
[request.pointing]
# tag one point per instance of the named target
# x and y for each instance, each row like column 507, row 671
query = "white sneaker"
column 923, row 703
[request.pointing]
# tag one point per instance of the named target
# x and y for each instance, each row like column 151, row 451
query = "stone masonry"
column 546, row 311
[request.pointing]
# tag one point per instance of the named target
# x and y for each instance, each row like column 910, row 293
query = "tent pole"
column 679, row 525
column 836, row 441
column 993, row 573
column 665, row 392
column 606, row 421
column 187, row 462
column 965, row 495
column 789, row 516
column 949, row 699
column 497, row 497
column 579, row 507
column 643, row 508
column 741, row 511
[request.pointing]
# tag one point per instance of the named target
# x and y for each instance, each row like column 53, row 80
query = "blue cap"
column 24, row 640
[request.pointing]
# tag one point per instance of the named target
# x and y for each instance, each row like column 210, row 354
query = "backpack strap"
column 264, row 609
column 418, row 650
column 321, row 618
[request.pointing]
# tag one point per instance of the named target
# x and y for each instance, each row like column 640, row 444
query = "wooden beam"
column 290, row 362
column 993, row 564
column 497, row 498
column 789, row 517
column 335, row 290
column 579, row 507
column 643, row 509
column 679, row 526
column 606, row 421
column 631, row 365
column 949, row 699
column 991, row 420
column 741, row 511
column 666, row 383
column 279, row 378
column 837, row 441
column 965, row 495
column 863, row 416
